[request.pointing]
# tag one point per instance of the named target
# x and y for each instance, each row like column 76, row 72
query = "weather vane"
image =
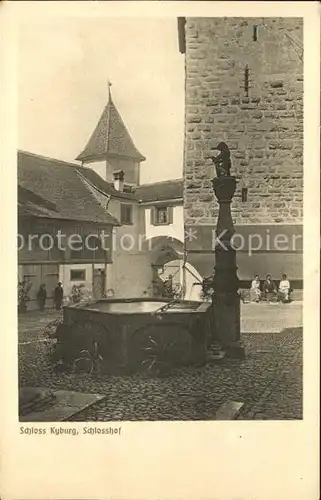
column 109, row 85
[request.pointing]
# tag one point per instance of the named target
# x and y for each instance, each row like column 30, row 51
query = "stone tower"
column 244, row 86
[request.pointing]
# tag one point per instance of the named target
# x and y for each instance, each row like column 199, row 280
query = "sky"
column 64, row 68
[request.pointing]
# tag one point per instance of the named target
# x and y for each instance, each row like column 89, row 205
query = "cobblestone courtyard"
column 268, row 381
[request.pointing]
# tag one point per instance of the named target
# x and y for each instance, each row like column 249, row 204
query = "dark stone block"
column 235, row 350
column 277, row 84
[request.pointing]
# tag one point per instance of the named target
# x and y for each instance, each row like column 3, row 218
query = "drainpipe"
column 105, row 280
column 92, row 279
column 184, row 272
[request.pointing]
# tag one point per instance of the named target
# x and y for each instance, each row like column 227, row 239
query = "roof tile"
column 53, row 189
column 160, row 191
column 110, row 137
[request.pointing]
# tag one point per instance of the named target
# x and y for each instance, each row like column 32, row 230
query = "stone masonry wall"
column 263, row 131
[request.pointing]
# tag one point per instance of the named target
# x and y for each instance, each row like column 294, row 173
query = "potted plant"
column 79, row 294
column 207, row 289
column 23, row 295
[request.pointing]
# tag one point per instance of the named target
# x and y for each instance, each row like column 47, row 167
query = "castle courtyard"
column 268, row 382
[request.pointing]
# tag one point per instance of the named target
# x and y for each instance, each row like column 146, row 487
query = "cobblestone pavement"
column 268, row 381
column 264, row 317
column 32, row 324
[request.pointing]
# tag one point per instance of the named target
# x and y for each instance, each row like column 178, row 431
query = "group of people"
column 58, row 296
column 269, row 291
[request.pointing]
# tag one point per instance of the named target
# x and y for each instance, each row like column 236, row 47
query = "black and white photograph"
column 160, row 250
column 160, row 219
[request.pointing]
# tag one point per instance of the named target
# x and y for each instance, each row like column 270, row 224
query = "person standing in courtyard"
column 255, row 289
column 168, row 287
column 58, row 296
column 269, row 288
column 284, row 289
column 42, row 297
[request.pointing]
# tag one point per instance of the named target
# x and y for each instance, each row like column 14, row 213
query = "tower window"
column 246, row 80
column 244, row 194
column 255, row 33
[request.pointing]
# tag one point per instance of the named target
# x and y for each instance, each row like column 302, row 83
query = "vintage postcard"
column 160, row 238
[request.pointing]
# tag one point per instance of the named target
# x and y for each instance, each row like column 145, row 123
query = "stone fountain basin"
column 132, row 335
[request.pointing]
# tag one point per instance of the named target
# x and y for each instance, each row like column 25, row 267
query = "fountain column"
column 225, row 299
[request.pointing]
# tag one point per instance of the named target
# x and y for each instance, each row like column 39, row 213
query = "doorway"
column 37, row 274
column 99, row 283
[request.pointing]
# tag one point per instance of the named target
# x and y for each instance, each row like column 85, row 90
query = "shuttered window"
column 162, row 216
column 126, row 214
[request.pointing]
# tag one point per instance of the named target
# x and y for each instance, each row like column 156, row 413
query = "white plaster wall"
column 99, row 167
column 129, row 167
column 176, row 230
column 130, row 275
column 64, row 276
column 187, row 275
column 127, row 238
column 193, row 292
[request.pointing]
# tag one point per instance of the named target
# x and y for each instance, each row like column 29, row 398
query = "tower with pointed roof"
column 111, row 145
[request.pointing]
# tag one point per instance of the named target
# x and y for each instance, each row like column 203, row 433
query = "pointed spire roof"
column 110, row 138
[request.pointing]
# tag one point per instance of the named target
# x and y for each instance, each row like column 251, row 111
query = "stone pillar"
column 226, row 300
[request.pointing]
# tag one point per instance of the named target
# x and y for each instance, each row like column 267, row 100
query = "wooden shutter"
column 130, row 214
column 153, row 215
column 126, row 214
column 122, row 213
column 170, row 214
